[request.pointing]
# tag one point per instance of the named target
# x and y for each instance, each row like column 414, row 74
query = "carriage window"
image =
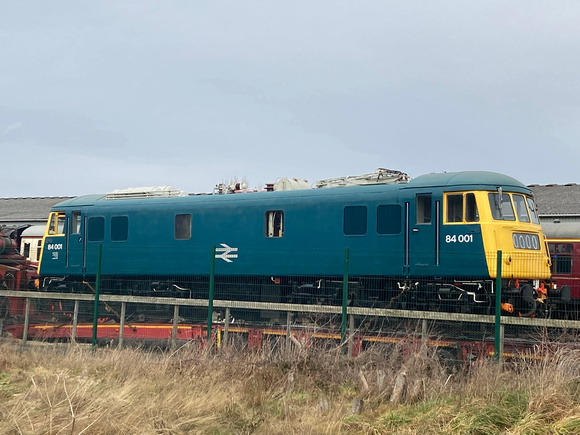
column 532, row 207
column 274, row 223
column 454, row 208
column 561, row 254
column 501, row 210
column 119, row 228
column 56, row 224
column 75, row 223
column 96, row 230
column 388, row 219
column 423, row 209
column 355, row 220
column 521, row 208
column 183, row 226
column 26, row 251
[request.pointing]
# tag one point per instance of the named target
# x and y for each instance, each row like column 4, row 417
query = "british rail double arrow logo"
column 226, row 252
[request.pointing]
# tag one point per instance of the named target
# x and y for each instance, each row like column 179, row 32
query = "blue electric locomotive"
column 415, row 244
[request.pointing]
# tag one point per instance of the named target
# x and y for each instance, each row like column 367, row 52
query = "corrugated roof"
column 557, row 199
column 27, row 209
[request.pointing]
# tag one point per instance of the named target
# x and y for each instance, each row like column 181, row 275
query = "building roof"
column 26, row 210
column 557, row 199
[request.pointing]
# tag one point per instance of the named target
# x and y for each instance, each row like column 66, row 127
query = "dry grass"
column 71, row 390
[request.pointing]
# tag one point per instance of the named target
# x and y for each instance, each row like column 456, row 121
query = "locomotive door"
column 76, row 240
column 422, row 227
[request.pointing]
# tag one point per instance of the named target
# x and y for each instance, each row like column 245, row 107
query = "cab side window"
column 471, row 213
column 56, row 224
column 75, row 223
column 455, row 208
column 424, row 209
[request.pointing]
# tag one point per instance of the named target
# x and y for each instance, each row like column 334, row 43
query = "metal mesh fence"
column 447, row 302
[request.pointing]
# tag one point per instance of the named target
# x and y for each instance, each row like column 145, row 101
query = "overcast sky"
column 101, row 95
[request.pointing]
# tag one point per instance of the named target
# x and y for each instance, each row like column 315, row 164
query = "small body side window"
column 119, row 228
column 355, row 220
column 274, row 223
column 388, row 219
column 96, row 230
column 182, row 226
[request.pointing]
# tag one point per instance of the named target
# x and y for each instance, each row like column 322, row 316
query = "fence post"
column 73, row 334
column 97, row 289
column 350, row 335
column 210, row 295
column 174, row 329
column 122, row 324
column 344, row 298
column 26, row 321
column 288, row 328
column 498, row 350
column 226, row 326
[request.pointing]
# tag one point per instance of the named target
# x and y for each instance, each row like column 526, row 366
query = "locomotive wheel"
column 529, row 303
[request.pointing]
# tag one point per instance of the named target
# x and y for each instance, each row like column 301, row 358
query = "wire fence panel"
column 389, row 294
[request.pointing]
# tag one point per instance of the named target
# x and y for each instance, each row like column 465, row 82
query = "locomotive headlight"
column 526, row 241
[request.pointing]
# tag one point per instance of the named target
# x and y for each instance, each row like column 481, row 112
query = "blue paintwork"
column 313, row 241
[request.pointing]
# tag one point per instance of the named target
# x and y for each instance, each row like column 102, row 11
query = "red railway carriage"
column 16, row 272
column 564, row 244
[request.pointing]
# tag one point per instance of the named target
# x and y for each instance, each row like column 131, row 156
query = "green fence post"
column 498, row 335
column 344, row 298
column 97, row 289
column 210, row 295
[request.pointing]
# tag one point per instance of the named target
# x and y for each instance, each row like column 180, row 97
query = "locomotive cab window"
column 501, row 207
column 461, row 208
column 521, row 208
column 274, row 223
column 424, row 209
column 454, row 208
column 532, row 208
column 56, row 224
